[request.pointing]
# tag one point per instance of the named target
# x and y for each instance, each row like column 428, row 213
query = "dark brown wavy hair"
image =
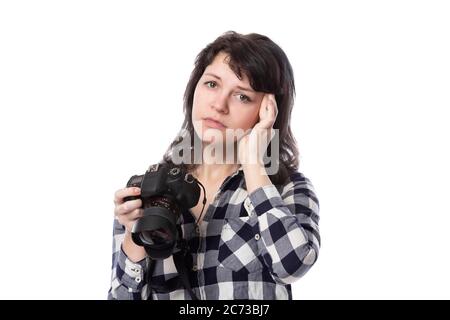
column 268, row 70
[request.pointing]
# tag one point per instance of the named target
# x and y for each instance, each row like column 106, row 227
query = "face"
column 220, row 95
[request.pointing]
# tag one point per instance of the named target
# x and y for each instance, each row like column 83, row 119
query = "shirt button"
column 197, row 230
column 194, row 268
column 138, row 279
column 248, row 206
column 257, row 237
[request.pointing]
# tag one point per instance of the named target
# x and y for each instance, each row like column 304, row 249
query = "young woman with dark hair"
column 259, row 230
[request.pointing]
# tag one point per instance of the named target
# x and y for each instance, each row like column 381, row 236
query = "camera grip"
column 135, row 181
column 130, row 198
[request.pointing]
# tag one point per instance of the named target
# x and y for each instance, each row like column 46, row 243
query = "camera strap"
column 150, row 268
column 179, row 259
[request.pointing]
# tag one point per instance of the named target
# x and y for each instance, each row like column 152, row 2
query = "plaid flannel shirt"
column 248, row 246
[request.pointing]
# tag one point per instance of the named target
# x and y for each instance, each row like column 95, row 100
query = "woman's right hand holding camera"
column 127, row 212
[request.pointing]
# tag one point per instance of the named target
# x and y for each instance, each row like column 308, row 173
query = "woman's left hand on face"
column 252, row 146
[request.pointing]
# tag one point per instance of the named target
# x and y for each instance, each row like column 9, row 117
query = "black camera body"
column 165, row 190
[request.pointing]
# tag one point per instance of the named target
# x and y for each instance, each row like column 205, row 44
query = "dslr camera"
column 165, row 190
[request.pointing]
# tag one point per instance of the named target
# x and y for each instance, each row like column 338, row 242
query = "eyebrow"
column 239, row 87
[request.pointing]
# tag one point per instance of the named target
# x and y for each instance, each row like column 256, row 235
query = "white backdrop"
column 91, row 93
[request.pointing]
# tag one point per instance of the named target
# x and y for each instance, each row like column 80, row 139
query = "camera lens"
column 165, row 191
column 156, row 237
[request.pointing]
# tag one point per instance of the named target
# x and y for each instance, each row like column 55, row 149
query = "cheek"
column 197, row 103
column 246, row 119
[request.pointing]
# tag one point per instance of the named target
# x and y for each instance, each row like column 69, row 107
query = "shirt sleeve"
column 289, row 227
column 127, row 277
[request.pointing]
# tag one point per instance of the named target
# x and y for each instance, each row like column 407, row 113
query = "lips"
column 213, row 123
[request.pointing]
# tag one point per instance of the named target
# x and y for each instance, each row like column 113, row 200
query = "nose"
column 220, row 104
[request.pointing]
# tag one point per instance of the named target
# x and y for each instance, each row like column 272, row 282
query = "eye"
column 246, row 98
column 210, row 82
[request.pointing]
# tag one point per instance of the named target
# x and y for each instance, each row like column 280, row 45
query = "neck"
column 212, row 172
column 216, row 166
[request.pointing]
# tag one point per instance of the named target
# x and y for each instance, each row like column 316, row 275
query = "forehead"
column 220, row 67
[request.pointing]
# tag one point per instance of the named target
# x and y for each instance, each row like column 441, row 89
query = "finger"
column 125, row 192
column 136, row 214
column 272, row 110
column 268, row 107
column 128, row 220
column 263, row 108
column 274, row 104
column 127, row 207
column 267, row 120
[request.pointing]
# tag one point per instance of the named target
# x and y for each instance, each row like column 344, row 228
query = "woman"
column 258, row 231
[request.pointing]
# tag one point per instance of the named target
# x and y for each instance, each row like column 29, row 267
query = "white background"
column 91, row 93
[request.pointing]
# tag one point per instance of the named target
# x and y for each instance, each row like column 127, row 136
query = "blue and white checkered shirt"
column 248, row 246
